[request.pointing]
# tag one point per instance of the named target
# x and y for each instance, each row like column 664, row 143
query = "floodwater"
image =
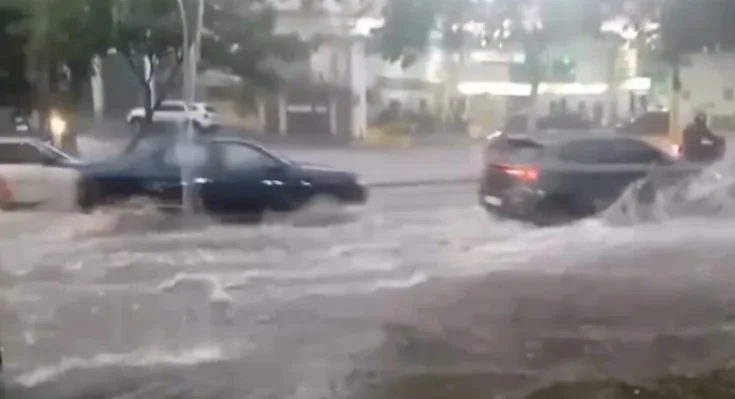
column 420, row 295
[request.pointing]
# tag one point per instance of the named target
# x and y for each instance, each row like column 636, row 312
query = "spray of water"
column 663, row 196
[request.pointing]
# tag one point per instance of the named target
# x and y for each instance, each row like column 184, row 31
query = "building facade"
column 495, row 82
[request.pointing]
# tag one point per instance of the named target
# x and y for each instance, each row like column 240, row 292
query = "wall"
column 707, row 79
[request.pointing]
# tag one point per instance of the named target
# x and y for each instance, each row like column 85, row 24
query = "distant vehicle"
column 550, row 178
column 203, row 116
column 234, row 177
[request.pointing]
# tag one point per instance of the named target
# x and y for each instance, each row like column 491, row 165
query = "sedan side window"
column 170, row 159
column 584, row 151
column 240, row 157
column 634, row 152
column 19, row 154
column 620, row 151
column 178, row 156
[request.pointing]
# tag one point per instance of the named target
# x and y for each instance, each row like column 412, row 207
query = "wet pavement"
column 420, row 294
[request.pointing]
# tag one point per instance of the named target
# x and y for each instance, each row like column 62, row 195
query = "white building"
column 338, row 57
column 491, row 82
column 707, row 85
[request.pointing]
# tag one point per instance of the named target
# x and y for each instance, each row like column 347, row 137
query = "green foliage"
column 67, row 32
column 409, row 24
column 146, row 27
column 240, row 40
column 238, row 35
column 690, row 27
column 685, row 26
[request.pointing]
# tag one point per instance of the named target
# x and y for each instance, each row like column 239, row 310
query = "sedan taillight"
column 526, row 174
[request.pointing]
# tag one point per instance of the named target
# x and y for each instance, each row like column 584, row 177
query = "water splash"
column 141, row 358
column 665, row 195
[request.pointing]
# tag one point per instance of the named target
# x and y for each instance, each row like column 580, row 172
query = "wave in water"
column 143, row 358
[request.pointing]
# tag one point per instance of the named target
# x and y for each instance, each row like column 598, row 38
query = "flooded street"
column 421, row 283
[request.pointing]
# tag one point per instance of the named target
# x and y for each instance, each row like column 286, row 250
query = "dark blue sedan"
column 232, row 177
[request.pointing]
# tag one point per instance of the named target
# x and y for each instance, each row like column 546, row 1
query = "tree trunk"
column 534, row 52
column 70, row 113
column 145, row 126
column 42, row 91
column 69, row 142
column 148, row 105
column 675, row 93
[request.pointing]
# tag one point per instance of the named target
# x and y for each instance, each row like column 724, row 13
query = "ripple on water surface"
column 383, row 306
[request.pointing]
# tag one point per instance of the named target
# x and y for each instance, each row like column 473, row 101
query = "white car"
column 175, row 111
column 35, row 175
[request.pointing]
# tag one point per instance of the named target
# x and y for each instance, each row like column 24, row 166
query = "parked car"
column 233, row 177
column 203, row 116
column 549, row 178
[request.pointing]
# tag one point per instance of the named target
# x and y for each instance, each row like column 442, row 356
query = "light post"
column 189, row 155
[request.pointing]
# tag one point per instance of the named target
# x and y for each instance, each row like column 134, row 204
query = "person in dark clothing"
column 699, row 143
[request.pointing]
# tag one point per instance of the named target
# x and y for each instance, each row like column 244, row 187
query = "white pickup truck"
column 35, row 175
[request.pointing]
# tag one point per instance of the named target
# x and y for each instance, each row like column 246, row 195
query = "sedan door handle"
column 202, row 180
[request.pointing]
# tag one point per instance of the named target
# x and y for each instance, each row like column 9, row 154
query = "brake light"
column 523, row 173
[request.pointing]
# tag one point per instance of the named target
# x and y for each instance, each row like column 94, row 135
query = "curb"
column 425, row 183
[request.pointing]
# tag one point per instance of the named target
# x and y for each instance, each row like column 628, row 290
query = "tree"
column 66, row 35
column 60, row 35
column 241, row 41
column 531, row 25
column 238, row 37
column 149, row 31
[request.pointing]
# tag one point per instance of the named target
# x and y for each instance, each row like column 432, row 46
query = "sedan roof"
column 548, row 137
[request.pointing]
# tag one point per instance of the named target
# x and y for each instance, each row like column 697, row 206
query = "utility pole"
column 189, row 155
